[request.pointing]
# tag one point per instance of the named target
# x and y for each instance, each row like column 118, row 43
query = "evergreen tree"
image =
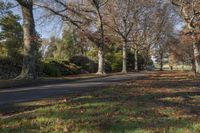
column 12, row 34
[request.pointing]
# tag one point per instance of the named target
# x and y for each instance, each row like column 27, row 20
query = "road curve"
column 15, row 95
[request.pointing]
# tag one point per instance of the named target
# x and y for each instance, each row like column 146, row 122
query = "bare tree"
column 120, row 17
column 100, row 26
column 190, row 12
column 164, row 32
column 87, row 17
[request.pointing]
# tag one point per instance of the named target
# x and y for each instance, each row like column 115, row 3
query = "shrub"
column 6, row 62
column 85, row 63
column 9, row 67
column 115, row 61
column 51, row 69
column 131, row 62
column 108, row 67
column 56, row 68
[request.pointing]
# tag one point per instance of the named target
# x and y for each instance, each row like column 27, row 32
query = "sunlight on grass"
column 195, row 99
column 173, row 99
column 167, row 111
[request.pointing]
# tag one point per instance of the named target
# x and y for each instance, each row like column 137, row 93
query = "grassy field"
column 167, row 102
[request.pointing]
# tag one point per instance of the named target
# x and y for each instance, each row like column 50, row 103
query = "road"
column 15, row 95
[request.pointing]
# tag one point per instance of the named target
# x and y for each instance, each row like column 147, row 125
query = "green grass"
column 140, row 106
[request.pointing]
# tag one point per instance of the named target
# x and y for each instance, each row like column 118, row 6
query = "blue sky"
column 52, row 26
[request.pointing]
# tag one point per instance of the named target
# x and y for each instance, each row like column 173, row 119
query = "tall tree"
column 30, row 39
column 12, row 34
column 98, row 4
column 86, row 16
column 164, row 31
column 120, row 19
column 190, row 12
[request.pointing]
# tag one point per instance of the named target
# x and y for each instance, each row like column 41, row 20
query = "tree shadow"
column 143, row 104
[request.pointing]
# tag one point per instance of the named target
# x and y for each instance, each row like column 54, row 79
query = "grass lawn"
column 167, row 102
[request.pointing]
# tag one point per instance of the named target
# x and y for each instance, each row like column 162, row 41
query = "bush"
column 88, row 64
column 7, row 62
column 131, row 62
column 115, row 60
column 51, row 69
column 9, row 67
column 108, row 67
column 56, row 68
column 85, row 63
column 93, row 54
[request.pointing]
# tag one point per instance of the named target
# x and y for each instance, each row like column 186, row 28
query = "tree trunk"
column 161, row 62
column 136, row 59
column 124, row 50
column 101, row 69
column 193, row 65
column 28, row 66
column 196, row 57
column 101, row 64
column 146, row 59
column 161, row 66
column 196, row 52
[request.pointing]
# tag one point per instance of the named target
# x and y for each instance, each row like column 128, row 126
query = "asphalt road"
column 15, row 95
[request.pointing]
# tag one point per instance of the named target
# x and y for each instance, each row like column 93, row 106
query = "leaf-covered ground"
column 167, row 102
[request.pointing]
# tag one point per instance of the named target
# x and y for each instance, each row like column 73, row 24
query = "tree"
column 30, row 40
column 181, row 50
column 146, row 34
column 164, row 33
column 86, row 16
column 120, row 19
column 50, row 47
column 100, row 26
column 190, row 12
column 5, row 8
column 12, row 33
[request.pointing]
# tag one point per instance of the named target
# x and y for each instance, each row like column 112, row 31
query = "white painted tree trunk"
column 124, row 50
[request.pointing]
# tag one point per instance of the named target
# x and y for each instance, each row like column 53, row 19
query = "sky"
column 46, row 29
column 52, row 26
